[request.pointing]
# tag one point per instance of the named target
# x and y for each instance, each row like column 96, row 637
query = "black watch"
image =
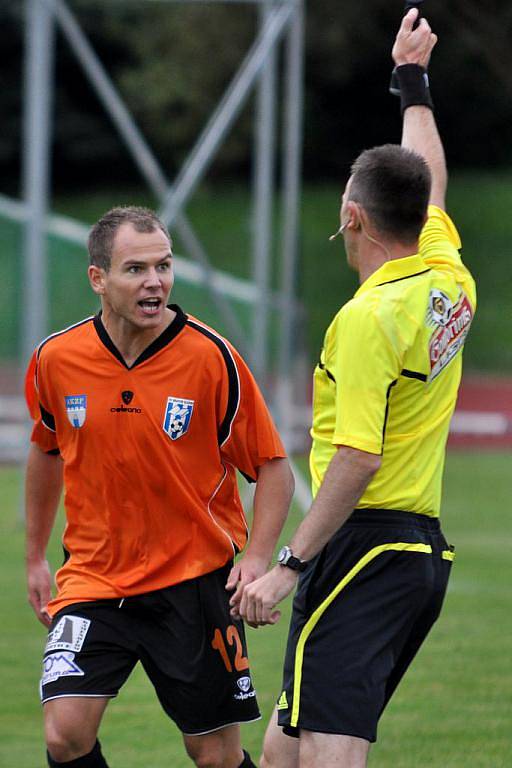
column 287, row 558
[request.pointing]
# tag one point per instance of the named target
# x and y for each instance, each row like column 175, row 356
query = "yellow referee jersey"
column 390, row 368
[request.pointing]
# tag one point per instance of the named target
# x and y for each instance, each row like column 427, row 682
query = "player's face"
column 140, row 278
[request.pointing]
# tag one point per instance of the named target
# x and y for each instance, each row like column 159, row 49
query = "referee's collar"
column 394, row 270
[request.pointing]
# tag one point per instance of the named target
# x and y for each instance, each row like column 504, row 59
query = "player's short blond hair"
column 101, row 236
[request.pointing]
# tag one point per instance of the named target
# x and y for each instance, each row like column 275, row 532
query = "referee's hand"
column 246, row 570
column 413, row 46
column 260, row 597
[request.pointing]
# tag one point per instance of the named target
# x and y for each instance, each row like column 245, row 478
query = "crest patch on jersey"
column 451, row 324
column 178, row 413
column 76, row 409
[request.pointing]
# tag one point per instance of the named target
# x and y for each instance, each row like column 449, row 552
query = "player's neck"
column 130, row 339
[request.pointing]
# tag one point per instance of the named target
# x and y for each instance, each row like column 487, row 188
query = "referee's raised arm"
column 411, row 54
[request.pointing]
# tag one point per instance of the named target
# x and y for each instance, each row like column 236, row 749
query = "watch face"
column 284, row 554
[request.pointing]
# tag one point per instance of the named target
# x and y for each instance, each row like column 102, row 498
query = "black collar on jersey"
column 170, row 333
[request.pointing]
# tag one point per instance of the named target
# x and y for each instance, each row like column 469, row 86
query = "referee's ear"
column 353, row 216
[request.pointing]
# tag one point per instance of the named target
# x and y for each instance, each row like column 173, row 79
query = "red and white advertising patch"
column 452, row 322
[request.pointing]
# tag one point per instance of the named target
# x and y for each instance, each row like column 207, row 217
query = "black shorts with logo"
column 192, row 650
column 363, row 607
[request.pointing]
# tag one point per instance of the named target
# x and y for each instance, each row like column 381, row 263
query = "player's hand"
column 247, row 569
column 413, row 46
column 39, row 589
column 261, row 596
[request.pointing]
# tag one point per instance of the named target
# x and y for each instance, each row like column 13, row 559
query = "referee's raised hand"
column 413, row 46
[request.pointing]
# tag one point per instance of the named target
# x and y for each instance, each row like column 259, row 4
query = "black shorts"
column 192, row 650
column 363, row 607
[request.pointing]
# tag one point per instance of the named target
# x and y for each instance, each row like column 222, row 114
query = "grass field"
column 452, row 711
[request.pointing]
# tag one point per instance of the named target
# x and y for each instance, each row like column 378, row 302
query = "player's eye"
column 165, row 266
column 133, row 269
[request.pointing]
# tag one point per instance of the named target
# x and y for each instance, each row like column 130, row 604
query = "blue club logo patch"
column 178, row 413
column 76, row 409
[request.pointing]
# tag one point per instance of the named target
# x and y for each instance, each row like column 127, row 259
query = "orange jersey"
column 150, row 454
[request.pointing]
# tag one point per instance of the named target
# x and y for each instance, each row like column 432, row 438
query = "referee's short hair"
column 392, row 184
column 101, row 236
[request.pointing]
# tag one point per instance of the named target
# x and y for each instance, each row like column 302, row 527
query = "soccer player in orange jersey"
column 145, row 414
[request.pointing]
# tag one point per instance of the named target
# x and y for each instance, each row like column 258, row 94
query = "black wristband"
column 413, row 86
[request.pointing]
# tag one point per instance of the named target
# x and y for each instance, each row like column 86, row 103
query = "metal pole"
column 39, row 42
column 264, row 166
column 226, row 112
column 291, row 202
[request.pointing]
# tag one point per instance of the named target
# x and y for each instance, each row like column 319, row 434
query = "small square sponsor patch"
column 68, row 634
column 59, row 665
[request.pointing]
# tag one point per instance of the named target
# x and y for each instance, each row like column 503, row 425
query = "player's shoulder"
column 67, row 338
column 208, row 339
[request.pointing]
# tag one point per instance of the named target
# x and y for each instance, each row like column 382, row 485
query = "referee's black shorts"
column 191, row 648
column 362, row 609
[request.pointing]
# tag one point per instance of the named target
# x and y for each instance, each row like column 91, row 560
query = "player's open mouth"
column 150, row 306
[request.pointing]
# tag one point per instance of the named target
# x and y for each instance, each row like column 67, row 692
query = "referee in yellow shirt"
column 371, row 561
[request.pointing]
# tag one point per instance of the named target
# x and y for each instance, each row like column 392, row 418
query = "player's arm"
column 43, row 489
column 274, row 491
column 345, row 481
column 414, row 47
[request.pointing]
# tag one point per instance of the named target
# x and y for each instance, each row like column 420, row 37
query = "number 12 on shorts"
column 233, row 638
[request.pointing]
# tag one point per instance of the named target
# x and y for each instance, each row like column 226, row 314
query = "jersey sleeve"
column 31, row 398
column 440, row 245
column 365, row 362
column 43, row 431
column 252, row 439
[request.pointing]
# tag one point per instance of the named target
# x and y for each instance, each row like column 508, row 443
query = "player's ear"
column 96, row 277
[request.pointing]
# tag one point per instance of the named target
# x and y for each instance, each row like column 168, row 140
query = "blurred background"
column 238, row 121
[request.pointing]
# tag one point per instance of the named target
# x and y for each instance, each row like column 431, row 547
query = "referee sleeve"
column 366, row 363
column 440, row 245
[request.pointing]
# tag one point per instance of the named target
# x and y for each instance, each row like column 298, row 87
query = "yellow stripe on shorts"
column 447, row 554
column 317, row 615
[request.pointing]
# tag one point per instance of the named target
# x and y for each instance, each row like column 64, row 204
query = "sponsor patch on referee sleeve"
column 451, row 324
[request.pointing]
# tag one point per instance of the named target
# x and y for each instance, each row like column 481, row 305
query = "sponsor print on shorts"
column 68, row 634
column 58, row 665
column 76, row 409
column 451, row 322
column 246, row 691
column 178, row 413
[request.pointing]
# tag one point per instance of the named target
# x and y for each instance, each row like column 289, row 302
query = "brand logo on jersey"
column 452, row 323
column 244, row 684
column 127, row 396
column 59, row 665
column 76, row 408
column 68, row 634
column 178, row 413
column 440, row 308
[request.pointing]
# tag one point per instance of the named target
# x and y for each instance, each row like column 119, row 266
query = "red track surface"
column 489, row 398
